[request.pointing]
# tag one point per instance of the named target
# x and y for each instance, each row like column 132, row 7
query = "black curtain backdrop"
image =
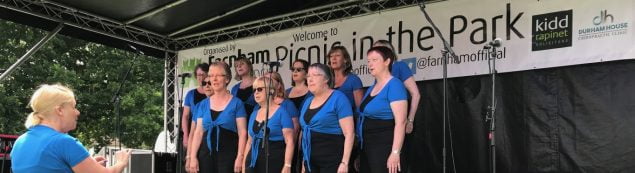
column 569, row 119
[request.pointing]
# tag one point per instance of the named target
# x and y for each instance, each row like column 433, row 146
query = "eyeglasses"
column 259, row 89
column 204, row 83
column 314, row 75
column 215, row 76
column 297, row 69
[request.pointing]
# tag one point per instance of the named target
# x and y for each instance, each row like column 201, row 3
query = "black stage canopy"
column 159, row 26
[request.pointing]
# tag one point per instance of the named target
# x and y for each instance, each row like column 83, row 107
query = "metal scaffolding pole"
column 33, row 49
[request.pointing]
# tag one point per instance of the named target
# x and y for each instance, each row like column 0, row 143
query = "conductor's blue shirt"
column 43, row 149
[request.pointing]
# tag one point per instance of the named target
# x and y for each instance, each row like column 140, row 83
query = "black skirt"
column 276, row 158
column 377, row 146
column 221, row 161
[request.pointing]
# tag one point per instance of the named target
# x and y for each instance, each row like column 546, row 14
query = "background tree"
column 94, row 72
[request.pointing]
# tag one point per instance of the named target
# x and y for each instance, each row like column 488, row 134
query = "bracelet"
column 187, row 157
column 410, row 120
column 287, row 165
column 344, row 163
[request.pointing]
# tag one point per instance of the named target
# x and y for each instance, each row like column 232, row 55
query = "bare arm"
column 348, row 129
column 399, row 111
column 413, row 90
column 358, row 94
column 247, row 149
column 296, row 127
column 290, row 145
column 241, row 126
column 90, row 165
column 196, row 144
column 185, row 124
column 189, row 138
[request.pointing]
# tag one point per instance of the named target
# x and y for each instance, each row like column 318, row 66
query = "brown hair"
column 249, row 65
column 385, row 53
column 348, row 64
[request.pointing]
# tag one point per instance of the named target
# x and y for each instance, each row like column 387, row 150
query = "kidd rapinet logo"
column 552, row 30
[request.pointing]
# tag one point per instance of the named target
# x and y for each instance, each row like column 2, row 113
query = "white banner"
column 535, row 34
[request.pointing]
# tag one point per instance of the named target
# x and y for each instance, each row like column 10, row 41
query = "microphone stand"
column 179, row 142
column 117, row 98
column 265, row 141
column 446, row 51
column 491, row 115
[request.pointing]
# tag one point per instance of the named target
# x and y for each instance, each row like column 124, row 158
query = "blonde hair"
column 273, row 89
column 45, row 99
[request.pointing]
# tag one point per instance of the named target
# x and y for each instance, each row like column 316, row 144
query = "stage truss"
column 70, row 16
column 337, row 11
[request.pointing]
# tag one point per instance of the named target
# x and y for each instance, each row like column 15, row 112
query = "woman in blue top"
column 299, row 92
column 327, row 124
column 191, row 99
column 219, row 140
column 345, row 81
column 243, row 89
column 47, row 147
column 382, row 116
column 289, row 106
column 207, row 86
column 401, row 71
column 281, row 99
column 279, row 128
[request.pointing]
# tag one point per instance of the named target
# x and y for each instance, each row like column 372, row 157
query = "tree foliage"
column 95, row 72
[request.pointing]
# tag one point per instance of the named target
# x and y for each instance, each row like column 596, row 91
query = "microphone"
column 135, row 49
column 185, row 75
column 494, row 43
column 273, row 63
column 422, row 4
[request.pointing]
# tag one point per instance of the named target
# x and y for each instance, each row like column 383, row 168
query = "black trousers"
column 221, row 161
column 377, row 145
column 276, row 158
column 326, row 152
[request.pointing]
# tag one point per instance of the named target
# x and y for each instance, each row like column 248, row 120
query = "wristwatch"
column 395, row 152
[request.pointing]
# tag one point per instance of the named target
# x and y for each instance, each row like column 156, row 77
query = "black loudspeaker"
column 140, row 161
column 165, row 162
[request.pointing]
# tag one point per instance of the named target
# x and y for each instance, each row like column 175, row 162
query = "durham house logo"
column 552, row 30
column 604, row 25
